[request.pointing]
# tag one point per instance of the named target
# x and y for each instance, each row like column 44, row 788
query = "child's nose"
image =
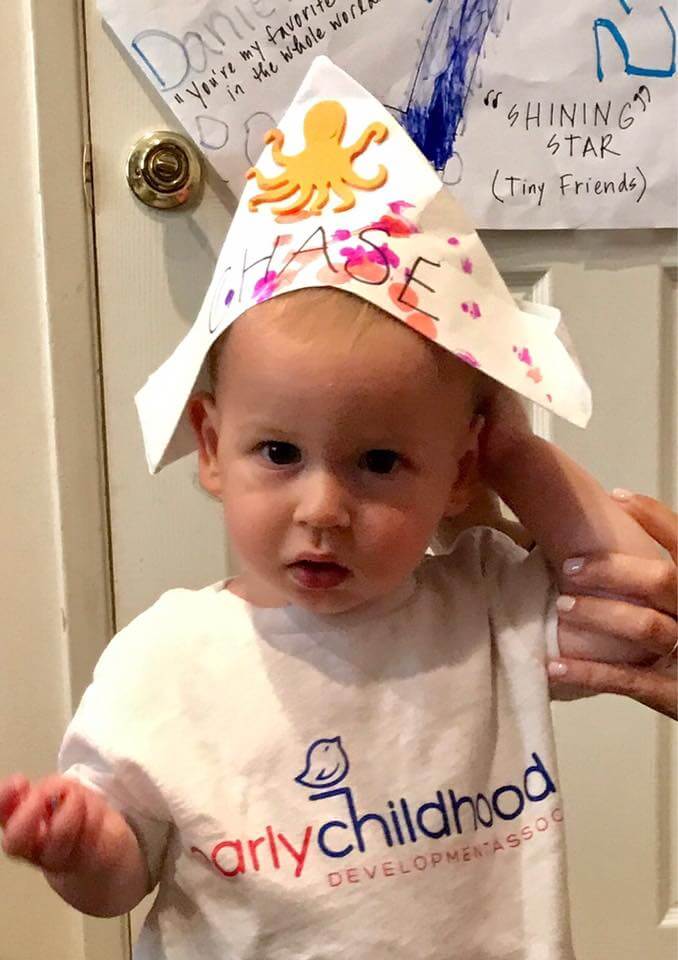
column 323, row 501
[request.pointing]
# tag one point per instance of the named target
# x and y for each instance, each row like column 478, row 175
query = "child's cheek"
column 249, row 523
column 393, row 537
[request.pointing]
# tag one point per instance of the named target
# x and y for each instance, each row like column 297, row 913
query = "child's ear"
column 203, row 416
column 468, row 481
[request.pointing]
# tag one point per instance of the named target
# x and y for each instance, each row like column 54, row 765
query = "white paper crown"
column 342, row 197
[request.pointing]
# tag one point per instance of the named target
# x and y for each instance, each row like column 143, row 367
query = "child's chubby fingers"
column 13, row 790
column 74, row 821
column 68, row 808
column 89, row 846
column 45, row 827
column 25, row 826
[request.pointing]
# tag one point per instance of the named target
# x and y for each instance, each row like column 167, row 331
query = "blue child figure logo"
column 326, row 764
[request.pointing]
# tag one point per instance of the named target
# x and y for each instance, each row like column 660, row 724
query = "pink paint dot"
column 471, row 308
column 453, row 241
column 395, row 226
column 333, row 278
column 422, row 324
column 397, row 290
column 354, row 255
column 367, row 271
column 384, row 254
column 467, row 265
column 525, row 357
column 398, row 206
column 467, row 358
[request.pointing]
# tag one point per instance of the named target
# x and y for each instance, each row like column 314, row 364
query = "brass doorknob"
column 164, row 170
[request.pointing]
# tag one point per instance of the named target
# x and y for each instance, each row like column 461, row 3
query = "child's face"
column 347, row 447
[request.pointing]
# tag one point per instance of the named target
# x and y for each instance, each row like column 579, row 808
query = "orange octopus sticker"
column 323, row 165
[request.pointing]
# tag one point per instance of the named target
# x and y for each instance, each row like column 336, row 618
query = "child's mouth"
column 317, row 575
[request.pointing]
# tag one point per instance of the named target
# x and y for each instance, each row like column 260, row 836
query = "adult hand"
column 648, row 619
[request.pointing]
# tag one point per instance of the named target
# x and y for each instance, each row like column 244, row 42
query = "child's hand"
column 58, row 824
column 506, row 425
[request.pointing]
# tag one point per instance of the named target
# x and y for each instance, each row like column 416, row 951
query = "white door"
column 618, row 291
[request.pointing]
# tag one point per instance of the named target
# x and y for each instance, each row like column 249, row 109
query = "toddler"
column 346, row 750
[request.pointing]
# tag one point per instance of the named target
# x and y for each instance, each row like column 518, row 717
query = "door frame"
column 59, row 61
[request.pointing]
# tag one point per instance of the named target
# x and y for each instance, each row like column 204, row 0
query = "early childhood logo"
column 402, row 822
column 399, row 823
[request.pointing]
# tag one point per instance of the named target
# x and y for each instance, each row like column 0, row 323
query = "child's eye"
column 380, row 461
column 279, row 453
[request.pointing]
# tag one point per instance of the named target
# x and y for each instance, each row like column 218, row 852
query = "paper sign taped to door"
column 537, row 116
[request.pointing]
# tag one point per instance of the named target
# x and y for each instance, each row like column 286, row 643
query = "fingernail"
column 574, row 565
column 557, row 668
column 619, row 493
column 565, row 603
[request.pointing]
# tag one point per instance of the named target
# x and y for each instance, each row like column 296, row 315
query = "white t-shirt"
column 375, row 784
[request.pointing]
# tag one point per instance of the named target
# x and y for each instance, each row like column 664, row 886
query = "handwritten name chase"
column 276, row 264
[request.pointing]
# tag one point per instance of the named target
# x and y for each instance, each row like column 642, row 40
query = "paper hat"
column 342, row 197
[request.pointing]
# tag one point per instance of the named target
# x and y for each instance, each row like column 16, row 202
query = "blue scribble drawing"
column 443, row 77
column 212, row 132
column 326, row 764
column 603, row 23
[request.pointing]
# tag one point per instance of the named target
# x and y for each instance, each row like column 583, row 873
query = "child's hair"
column 296, row 313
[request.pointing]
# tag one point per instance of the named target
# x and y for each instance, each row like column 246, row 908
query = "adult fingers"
column 654, row 689
column 644, row 626
column 654, row 517
column 649, row 582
